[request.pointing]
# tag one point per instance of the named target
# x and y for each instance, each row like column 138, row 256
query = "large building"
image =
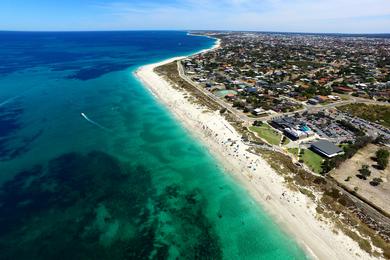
column 293, row 128
column 326, row 148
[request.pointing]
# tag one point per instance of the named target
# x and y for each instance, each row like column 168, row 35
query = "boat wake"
column 9, row 100
column 95, row 123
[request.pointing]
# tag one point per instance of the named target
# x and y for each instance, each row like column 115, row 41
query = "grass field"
column 313, row 160
column 286, row 141
column 267, row 133
column 293, row 151
column 374, row 113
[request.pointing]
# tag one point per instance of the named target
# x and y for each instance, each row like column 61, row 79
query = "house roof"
column 326, row 147
column 346, row 89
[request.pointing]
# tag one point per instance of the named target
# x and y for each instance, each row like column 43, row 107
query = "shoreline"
column 287, row 208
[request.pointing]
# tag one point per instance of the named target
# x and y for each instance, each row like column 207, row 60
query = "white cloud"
column 278, row 15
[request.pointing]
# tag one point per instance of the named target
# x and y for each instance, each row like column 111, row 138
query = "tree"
column 257, row 123
column 382, row 158
column 328, row 165
column 364, row 172
column 376, row 181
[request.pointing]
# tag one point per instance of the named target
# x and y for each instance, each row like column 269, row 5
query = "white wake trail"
column 9, row 100
column 94, row 123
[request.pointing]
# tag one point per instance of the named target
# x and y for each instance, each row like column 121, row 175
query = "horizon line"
column 199, row 30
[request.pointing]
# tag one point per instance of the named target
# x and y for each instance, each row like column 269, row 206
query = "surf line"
column 95, row 123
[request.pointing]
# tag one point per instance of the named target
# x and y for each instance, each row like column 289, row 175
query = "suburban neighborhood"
column 320, row 99
column 314, row 107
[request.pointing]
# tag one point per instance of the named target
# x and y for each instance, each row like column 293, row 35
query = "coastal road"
column 318, row 108
column 372, row 216
column 248, row 120
column 240, row 116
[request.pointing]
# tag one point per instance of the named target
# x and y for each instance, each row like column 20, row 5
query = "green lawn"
column 293, row 151
column 267, row 133
column 313, row 160
column 286, row 141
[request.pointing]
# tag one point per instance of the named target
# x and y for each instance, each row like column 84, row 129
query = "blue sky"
column 344, row 16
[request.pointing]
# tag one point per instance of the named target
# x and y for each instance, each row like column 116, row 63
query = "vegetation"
column 170, row 72
column 382, row 158
column 285, row 140
column 258, row 123
column 349, row 151
column 293, row 151
column 376, row 181
column 267, row 133
column 312, row 160
column 364, row 172
column 375, row 113
column 335, row 205
column 351, row 127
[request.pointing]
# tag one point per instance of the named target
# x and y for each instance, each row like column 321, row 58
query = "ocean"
column 92, row 166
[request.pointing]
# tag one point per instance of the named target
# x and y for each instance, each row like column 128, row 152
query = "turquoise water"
column 130, row 183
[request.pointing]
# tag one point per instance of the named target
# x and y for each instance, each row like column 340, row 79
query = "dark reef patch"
column 24, row 145
column 98, row 70
column 77, row 207
column 11, row 144
column 194, row 235
column 9, row 125
column 96, row 207
column 9, row 115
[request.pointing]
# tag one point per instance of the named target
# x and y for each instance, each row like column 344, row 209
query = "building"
column 322, row 99
column 313, row 101
column 343, row 89
column 326, row 148
column 293, row 128
column 259, row 112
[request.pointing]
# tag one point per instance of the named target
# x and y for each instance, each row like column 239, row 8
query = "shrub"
column 382, row 158
column 376, row 181
column 258, row 123
column 362, row 177
column 365, row 171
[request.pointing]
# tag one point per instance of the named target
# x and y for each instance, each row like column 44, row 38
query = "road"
column 249, row 120
column 238, row 114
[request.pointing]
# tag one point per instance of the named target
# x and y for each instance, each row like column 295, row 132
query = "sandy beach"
column 293, row 211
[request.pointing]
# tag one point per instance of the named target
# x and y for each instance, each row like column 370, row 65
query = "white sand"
column 292, row 210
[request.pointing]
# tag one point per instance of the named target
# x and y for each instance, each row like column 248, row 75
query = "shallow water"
column 124, row 181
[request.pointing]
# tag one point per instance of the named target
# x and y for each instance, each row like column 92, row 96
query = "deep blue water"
column 130, row 183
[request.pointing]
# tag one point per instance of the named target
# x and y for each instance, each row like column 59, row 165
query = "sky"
column 327, row 16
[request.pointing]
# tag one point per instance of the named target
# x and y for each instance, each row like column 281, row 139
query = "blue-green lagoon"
column 92, row 167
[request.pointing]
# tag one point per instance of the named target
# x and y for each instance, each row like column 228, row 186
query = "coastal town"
column 299, row 92
column 316, row 105
column 205, row 130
